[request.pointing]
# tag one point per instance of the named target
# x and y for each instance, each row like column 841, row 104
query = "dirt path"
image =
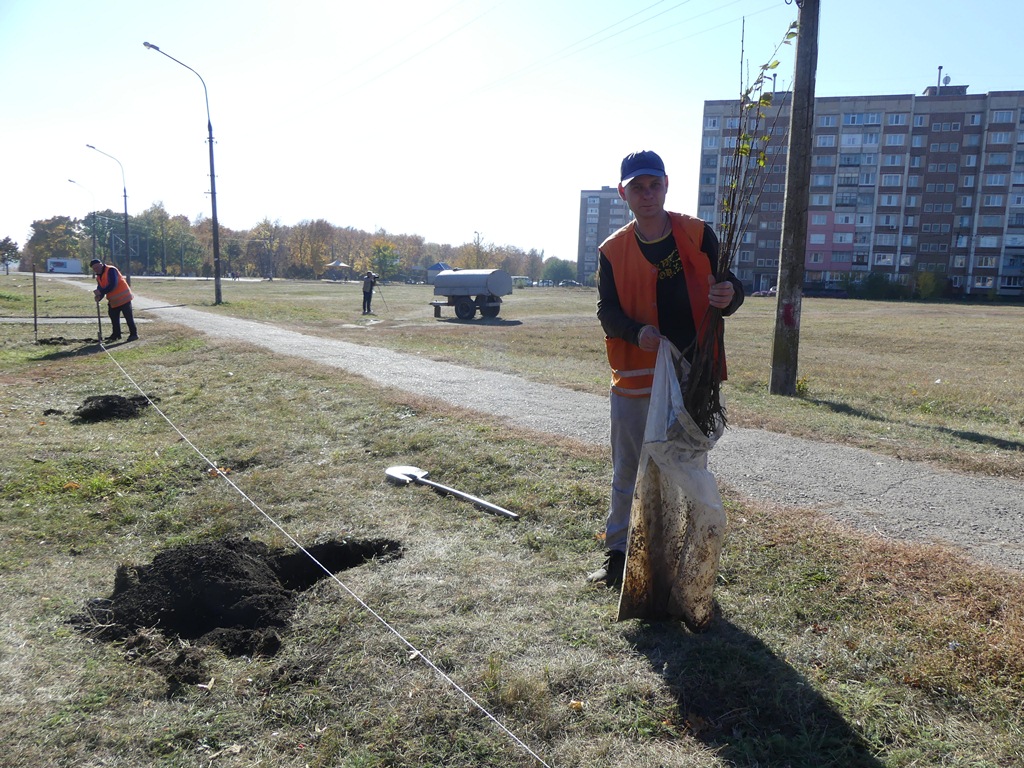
column 900, row 499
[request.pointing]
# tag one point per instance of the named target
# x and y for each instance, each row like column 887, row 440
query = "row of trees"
column 159, row 243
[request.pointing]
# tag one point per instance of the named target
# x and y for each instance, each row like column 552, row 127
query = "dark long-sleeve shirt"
column 675, row 318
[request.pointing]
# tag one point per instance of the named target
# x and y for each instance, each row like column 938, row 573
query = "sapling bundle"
column 754, row 138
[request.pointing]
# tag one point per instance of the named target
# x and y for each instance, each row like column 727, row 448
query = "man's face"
column 97, row 268
column 645, row 195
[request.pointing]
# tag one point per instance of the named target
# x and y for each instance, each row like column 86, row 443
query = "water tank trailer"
column 469, row 290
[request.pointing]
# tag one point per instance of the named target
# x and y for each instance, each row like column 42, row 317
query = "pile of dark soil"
column 106, row 407
column 235, row 594
column 60, row 341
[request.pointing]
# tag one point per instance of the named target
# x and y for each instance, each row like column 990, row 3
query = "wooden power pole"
column 794, row 216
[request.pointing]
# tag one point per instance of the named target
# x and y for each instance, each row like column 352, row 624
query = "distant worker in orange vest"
column 111, row 283
column 656, row 278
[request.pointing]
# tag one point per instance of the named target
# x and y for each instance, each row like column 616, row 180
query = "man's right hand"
column 649, row 339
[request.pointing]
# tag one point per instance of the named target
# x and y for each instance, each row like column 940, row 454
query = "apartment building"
column 602, row 212
column 926, row 190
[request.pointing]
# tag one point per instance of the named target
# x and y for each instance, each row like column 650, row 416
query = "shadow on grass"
column 498, row 321
column 739, row 698
column 971, row 437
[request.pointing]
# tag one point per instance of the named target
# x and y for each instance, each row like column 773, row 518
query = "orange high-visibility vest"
column 636, row 282
column 121, row 294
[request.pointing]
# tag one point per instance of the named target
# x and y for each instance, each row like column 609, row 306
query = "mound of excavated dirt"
column 60, row 341
column 106, row 407
column 234, row 594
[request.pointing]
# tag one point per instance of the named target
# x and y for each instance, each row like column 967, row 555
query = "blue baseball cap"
column 643, row 163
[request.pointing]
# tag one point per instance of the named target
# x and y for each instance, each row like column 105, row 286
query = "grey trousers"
column 628, row 421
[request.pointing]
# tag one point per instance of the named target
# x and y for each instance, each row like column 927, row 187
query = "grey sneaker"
column 611, row 572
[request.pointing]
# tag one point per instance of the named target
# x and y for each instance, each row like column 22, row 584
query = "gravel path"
column 899, row 499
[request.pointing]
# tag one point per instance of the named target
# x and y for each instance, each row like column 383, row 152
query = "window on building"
column 918, row 140
column 995, row 179
column 883, row 259
column 819, row 219
column 998, row 158
column 999, row 137
column 967, row 181
column 821, row 200
column 895, row 139
column 821, row 179
column 891, row 179
column 826, row 121
column 826, row 140
column 710, row 142
column 711, row 123
column 1002, row 115
column 897, row 118
column 990, row 201
column 841, row 238
column 891, row 160
column 824, row 160
column 889, row 200
column 974, row 118
column 816, row 238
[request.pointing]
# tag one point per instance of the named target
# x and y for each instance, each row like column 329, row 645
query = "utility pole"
column 794, row 217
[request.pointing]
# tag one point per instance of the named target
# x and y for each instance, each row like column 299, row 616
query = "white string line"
column 416, row 653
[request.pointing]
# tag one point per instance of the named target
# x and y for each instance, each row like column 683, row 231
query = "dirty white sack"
column 677, row 523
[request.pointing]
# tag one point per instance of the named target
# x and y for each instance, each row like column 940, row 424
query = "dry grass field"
column 833, row 648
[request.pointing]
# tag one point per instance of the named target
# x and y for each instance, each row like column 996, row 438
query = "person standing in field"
column 111, row 283
column 656, row 278
column 369, row 280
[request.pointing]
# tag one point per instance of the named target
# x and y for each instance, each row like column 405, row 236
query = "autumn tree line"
column 161, row 244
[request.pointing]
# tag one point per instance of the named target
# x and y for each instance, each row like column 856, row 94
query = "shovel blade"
column 404, row 475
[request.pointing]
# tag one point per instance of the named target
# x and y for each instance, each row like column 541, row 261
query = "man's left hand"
column 720, row 294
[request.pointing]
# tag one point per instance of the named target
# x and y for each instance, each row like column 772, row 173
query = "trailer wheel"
column 465, row 308
column 486, row 311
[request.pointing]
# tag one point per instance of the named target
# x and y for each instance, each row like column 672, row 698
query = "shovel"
column 406, row 475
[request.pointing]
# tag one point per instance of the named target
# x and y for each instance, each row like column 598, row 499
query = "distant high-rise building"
column 926, row 190
column 602, row 212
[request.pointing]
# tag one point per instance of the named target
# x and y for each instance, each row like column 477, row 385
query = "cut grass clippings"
column 833, row 648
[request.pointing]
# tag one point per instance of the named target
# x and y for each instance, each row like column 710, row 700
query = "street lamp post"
column 213, row 176
column 93, row 215
column 127, row 246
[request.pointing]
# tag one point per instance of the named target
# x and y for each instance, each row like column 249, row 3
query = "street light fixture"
column 127, row 246
column 93, row 214
column 213, row 177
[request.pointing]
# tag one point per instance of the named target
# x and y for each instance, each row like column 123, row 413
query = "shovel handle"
column 493, row 508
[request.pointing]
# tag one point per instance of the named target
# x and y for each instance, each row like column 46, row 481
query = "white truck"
column 469, row 290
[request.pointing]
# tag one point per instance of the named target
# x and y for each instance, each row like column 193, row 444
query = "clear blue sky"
column 436, row 117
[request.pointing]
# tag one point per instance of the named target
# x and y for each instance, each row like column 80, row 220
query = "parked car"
column 770, row 292
column 568, row 284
